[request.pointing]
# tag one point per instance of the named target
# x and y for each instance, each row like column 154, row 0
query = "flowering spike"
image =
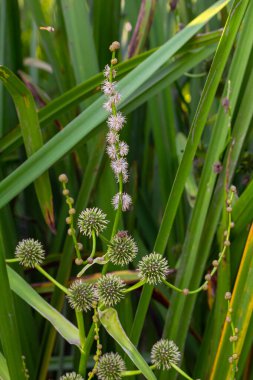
column 110, row 367
column 30, row 253
column 153, row 268
column 164, row 353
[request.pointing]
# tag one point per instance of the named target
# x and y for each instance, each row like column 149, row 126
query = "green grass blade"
column 9, row 335
column 32, row 136
column 4, row 372
column 65, row 328
column 242, row 306
column 142, row 27
column 198, row 124
column 94, row 115
column 80, row 39
column 47, row 40
column 110, row 321
column 243, row 210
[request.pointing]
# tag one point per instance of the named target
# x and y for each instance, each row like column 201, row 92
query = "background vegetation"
column 187, row 90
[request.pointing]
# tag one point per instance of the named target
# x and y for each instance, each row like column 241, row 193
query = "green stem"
column 94, row 241
column 179, row 370
column 135, row 286
column 12, row 260
column 102, row 237
column 80, row 325
column 50, row 278
column 134, row 372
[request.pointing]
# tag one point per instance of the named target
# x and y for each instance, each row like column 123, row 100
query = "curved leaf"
column 67, row 330
column 30, row 128
column 110, row 320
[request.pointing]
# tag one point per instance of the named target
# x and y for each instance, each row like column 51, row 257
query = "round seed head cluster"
column 122, row 249
column 92, row 219
column 109, row 289
column 164, row 353
column 153, row 268
column 82, row 295
column 110, row 367
column 71, row 376
column 30, row 252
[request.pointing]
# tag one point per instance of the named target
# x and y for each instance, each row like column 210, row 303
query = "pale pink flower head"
column 119, row 166
column 116, row 122
column 126, row 201
column 112, row 151
column 107, row 72
column 123, row 148
column 108, row 88
column 112, row 137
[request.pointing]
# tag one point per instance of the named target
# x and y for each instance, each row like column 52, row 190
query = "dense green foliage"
column 183, row 271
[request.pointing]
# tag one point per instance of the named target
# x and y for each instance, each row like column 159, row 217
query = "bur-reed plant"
column 110, row 233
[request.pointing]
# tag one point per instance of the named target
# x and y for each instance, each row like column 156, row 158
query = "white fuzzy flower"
column 123, row 148
column 116, row 98
column 116, row 122
column 112, row 151
column 108, row 87
column 107, row 72
column 112, row 137
column 113, row 100
column 119, row 166
column 126, row 201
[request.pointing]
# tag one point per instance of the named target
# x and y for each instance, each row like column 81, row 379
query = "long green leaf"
column 4, row 373
column 9, row 335
column 32, row 136
column 80, row 39
column 65, row 328
column 94, row 115
column 110, row 320
column 242, row 306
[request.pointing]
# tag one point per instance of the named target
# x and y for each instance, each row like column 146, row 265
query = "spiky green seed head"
column 109, row 289
column 153, row 268
column 92, row 219
column 30, row 252
column 110, row 367
column 82, row 295
column 122, row 249
column 164, row 353
column 71, row 376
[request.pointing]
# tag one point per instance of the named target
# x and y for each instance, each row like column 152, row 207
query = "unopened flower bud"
column 114, row 46
column 228, row 296
column 63, row 178
column 68, row 220
column 215, row 263
column 114, row 61
column 78, row 261
column 72, row 211
column 65, row 192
